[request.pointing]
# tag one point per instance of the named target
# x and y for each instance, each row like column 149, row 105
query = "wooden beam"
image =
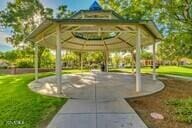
column 63, row 41
column 45, row 37
column 130, row 28
column 43, row 32
column 113, row 43
column 119, row 28
column 125, row 41
column 94, row 45
column 74, row 43
column 71, row 28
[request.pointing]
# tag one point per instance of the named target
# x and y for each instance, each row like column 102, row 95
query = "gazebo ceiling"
column 95, row 35
column 98, row 29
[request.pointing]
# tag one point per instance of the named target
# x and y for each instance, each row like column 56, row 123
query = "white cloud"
column 3, row 36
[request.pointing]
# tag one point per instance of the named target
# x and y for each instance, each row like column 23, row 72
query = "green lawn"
column 182, row 109
column 173, row 70
column 22, row 108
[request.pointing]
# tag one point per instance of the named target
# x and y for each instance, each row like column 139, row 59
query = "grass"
column 20, row 107
column 187, row 66
column 172, row 70
column 182, row 109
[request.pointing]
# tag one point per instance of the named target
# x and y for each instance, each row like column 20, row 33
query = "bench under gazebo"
column 95, row 30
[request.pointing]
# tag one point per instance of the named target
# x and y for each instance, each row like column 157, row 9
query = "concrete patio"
column 97, row 99
column 103, row 85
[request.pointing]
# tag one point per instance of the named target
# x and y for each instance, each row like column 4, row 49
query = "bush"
column 24, row 63
column 4, row 64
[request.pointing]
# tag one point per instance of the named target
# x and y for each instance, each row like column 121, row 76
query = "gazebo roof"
column 95, row 29
column 95, row 6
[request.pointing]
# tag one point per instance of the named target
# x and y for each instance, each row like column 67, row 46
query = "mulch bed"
column 174, row 88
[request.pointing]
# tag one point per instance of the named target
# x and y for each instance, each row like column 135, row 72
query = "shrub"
column 183, row 109
column 24, row 63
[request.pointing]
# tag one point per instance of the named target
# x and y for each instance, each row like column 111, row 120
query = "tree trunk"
column 178, row 62
column 40, row 53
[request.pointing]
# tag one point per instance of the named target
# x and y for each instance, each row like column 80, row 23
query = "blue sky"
column 74, row 5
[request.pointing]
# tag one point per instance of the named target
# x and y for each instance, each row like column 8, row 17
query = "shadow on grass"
column 177, row 73
column 187, row 66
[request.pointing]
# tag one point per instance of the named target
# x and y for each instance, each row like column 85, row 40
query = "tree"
column 132, row 9
column 11, row 56
column 116, row 59
column 70, row 58
column 173, row 17
column 177, row 15
column 48, row 59
column 48, row 13
column 146, row 55
column 63, row 12
column 174, row 47
column 23, row 16
column 1, row 55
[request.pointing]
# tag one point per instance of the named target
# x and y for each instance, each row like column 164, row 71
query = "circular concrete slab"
column 96, row 85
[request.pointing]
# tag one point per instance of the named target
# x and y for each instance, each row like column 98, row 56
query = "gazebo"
column 95, row 30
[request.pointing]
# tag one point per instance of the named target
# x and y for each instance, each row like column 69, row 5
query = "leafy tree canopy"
column 174, row 19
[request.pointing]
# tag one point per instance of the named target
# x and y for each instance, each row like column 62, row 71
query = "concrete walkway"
column 104, row 109
column 93, row 114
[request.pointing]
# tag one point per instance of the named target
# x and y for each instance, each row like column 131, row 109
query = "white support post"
column 154, row 62
column 138, row 65
column 132, row 67
column 81, row 61
column 36, row 61
column 132, row 62
column 106, row 57
column 107, row 61
column 58, row 59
